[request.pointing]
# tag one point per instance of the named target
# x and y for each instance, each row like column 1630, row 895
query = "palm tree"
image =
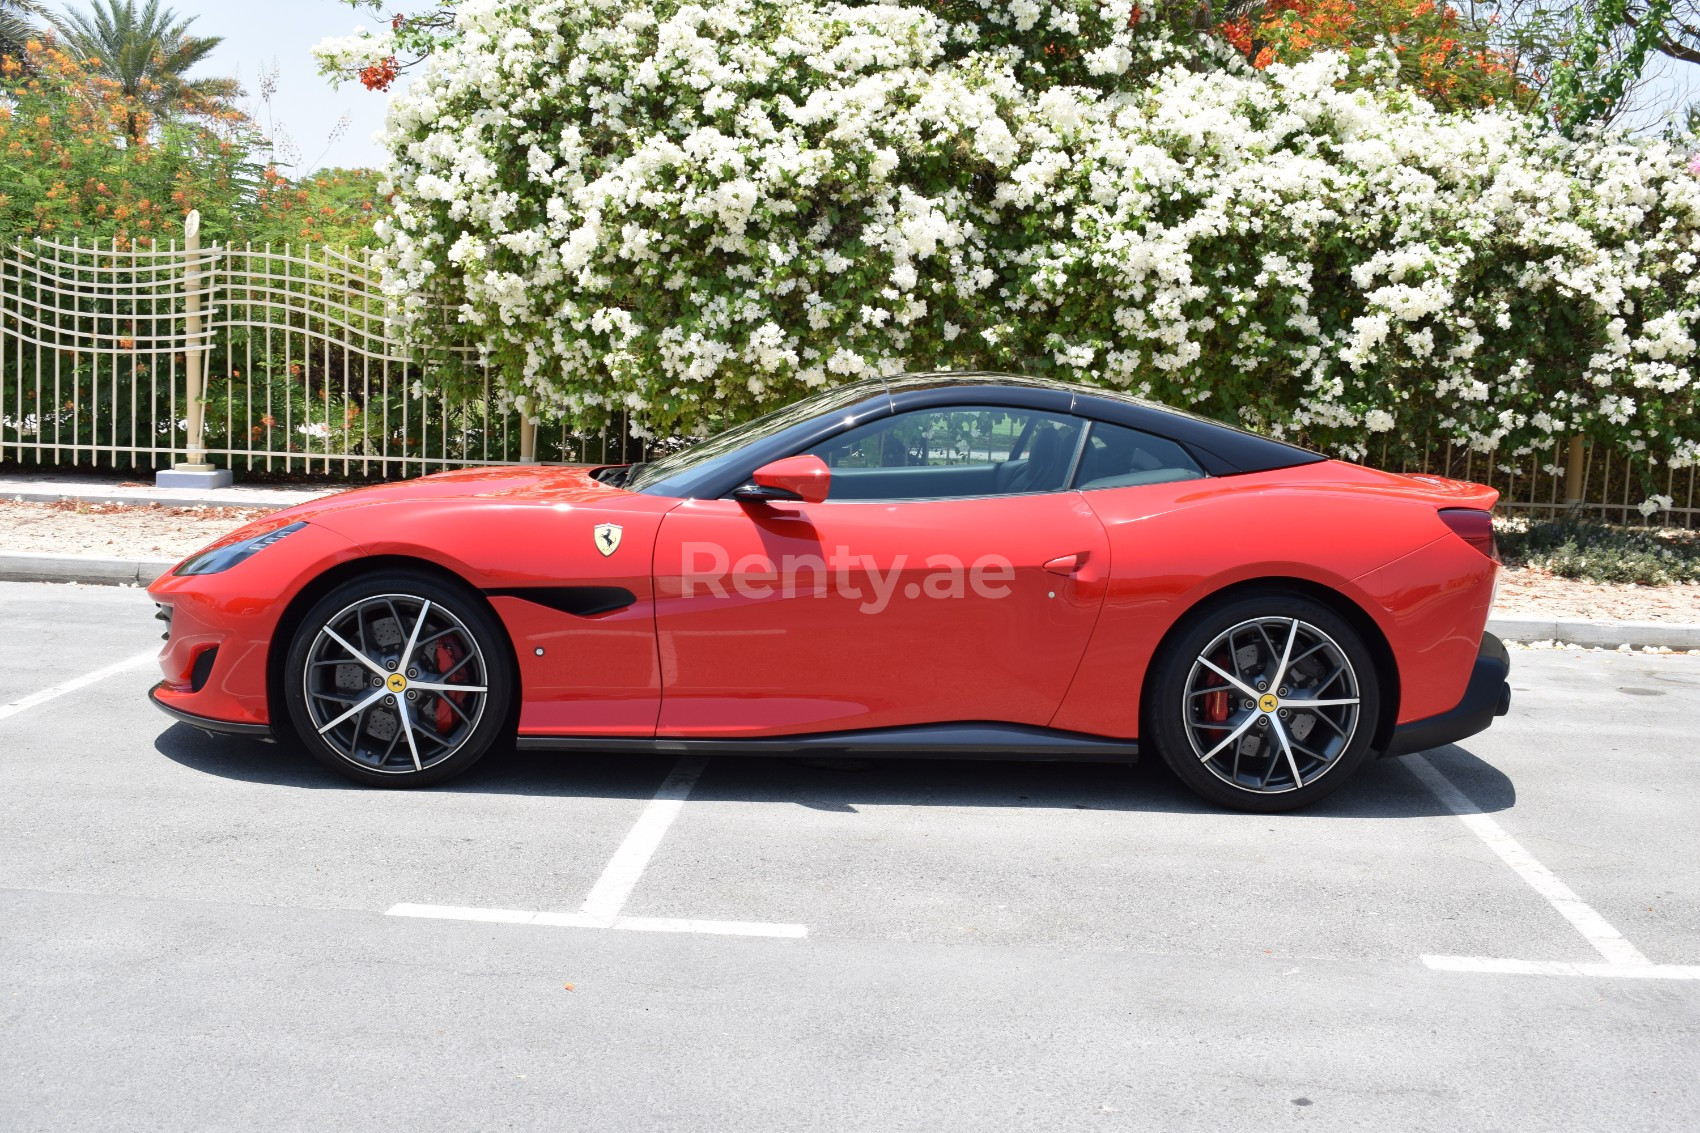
column 17, row 25
column 148, row 52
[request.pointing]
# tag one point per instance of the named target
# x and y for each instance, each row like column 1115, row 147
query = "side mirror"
column 805, row 478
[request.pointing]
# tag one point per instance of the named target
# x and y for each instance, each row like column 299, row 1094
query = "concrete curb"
column 33, row 566
column 141, row 496
column 1606, row 635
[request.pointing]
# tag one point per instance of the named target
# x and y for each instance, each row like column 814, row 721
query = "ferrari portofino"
column 965, row 565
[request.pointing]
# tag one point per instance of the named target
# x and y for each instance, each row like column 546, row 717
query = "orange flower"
column 1423, row 34
column 380, row 75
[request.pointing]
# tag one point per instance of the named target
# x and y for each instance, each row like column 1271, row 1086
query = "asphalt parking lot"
column 201, row 932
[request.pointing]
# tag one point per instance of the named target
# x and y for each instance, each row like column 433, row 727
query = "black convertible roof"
column 1223, row 449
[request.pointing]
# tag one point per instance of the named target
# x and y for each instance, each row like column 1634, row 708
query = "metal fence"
column 1574, row 477
column 281, row 361
column 278, row 360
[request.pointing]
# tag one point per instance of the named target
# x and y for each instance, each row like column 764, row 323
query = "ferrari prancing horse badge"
column 607, row 537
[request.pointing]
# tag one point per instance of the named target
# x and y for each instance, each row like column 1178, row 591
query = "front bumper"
column 221, row 628
column 1487, row 696
column 207, row 723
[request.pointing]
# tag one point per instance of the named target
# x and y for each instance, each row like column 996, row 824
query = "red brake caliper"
column 447, row 654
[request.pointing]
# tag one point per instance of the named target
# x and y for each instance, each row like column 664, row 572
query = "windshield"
column 723, row 445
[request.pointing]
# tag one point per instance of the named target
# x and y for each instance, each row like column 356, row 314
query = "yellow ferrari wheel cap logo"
column 396, row 682
column 607, row 537
column 1268, row 702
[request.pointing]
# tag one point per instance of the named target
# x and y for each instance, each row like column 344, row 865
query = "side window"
column 952, row 453
column 1118, row 457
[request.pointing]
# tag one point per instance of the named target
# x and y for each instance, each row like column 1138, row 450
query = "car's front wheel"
column 1265, row 703
column 399, row 679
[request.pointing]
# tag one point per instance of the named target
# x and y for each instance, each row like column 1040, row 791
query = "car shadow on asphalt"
column 1383, row 789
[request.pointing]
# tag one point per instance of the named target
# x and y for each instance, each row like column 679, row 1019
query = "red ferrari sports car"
column 964, row 565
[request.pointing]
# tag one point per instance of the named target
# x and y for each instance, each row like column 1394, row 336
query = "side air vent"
column 201, row 671
column 581, row 601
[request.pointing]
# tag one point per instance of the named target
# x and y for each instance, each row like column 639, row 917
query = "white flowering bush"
column 345, row 55
column 697, row 211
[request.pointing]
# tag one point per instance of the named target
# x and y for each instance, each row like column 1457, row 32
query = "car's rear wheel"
column 1265, row 703
column 398, row 679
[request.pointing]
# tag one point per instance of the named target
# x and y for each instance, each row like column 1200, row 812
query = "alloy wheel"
column 1271, row 704
column 395, row 683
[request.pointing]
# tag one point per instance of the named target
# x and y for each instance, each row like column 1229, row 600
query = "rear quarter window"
column 1119, row 457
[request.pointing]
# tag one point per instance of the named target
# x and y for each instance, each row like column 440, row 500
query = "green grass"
column 1601, row 552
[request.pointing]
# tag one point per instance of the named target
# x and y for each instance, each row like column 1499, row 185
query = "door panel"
column 793, row 617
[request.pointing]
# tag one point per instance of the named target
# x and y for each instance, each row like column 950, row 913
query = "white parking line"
column 609, row 895
column 1561, row 968
column 1622, row 958
column 74, row 684
column 579, row 920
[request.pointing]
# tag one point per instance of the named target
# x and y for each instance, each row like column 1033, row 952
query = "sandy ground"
column 1537, row 593
column 152, row 531
column 116, row 530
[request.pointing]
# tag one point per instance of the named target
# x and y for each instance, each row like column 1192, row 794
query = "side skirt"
column 924, row 741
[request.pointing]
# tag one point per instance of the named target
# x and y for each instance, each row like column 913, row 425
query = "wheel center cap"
column 397, row 683
column 1268, row 702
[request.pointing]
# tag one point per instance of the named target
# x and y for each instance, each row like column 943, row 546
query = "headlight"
column 227, row 556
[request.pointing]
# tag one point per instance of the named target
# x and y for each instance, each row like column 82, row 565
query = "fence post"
column 1573, row 476
column 194, row 472
column 527, row 440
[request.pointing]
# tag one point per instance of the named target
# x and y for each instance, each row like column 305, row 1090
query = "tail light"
column 1474, row 527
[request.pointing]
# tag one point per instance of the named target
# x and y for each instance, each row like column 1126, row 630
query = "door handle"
column 1067, row 564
